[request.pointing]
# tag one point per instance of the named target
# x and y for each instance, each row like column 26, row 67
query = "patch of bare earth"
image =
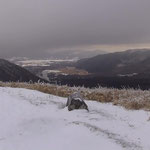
column 73, row 71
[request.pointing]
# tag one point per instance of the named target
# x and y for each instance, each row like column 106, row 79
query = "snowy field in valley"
column 31, row 120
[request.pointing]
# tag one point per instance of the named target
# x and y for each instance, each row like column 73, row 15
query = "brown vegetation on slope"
column 128, row 98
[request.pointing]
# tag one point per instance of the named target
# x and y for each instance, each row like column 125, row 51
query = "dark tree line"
column 111, row 82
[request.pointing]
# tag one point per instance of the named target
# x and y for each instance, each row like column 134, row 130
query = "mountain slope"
column 127, row 62
column 12, row 72
column 31, row 120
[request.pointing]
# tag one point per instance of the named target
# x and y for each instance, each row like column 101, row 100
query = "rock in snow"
column 31, row 120
column 75, row 101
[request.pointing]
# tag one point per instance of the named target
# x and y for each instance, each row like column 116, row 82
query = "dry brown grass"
column 128, row 98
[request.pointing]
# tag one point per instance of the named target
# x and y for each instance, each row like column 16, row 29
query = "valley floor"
column 31, row 120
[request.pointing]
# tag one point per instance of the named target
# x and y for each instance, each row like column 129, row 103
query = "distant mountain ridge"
column 12, row 72
column 76, row 54
column 119, row 63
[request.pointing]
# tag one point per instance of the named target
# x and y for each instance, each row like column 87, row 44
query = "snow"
column 31, row 120
column 42, row 62
column 127, row 75
column 45, row 73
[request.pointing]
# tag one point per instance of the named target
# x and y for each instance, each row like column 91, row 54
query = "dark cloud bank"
column 37, row 27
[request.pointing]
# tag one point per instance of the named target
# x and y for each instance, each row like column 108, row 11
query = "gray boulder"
column 75, row 101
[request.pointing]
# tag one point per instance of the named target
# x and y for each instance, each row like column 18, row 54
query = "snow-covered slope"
column 31, row 120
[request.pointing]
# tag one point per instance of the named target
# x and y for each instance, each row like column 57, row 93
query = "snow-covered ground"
column 31, row 120
column 44, row 62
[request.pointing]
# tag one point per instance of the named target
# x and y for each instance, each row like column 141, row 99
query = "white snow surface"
column 31, row 120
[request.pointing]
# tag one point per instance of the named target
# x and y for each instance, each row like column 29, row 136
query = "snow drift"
column 31, row 120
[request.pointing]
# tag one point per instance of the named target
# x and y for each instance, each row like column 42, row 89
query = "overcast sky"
column 38, row 27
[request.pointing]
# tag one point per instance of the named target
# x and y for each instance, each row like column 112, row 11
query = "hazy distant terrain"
column 49, row 68
column 12, row 72
column 76, row 54
column 129, row 68
column 127, row 63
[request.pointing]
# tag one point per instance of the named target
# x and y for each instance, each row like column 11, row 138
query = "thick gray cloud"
column 34, row 27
